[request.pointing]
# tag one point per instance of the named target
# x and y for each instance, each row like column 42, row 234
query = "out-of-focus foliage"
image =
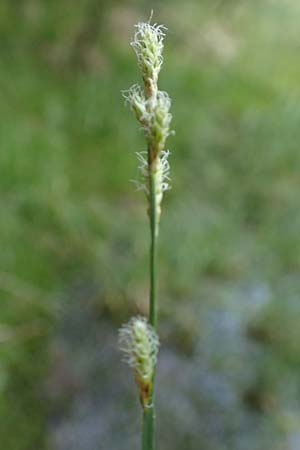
column 72, row 228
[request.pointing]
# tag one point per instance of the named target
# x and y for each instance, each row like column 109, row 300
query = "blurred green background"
column 74, row 233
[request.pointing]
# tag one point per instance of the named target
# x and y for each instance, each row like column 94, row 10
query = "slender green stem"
column 153, row 251
column 149, row 411
column 148, row 429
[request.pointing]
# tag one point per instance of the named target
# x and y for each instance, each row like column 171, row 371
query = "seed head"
column 161, row 176
column 139, row 343
column 159, row 128
column 148, row 46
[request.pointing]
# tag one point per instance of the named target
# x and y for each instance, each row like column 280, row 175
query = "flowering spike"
column 152, row 109
column 139, row 343
column 148, row 46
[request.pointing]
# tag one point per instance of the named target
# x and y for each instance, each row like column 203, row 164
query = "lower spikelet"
column 139, row 343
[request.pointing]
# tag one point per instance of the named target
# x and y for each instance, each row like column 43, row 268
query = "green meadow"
column 73, row 231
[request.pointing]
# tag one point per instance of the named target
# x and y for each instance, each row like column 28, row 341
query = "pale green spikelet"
column 160, row 120
column 155, row 117
column 139, row 343
column 137, row 101
column 161, row 178
column 148, row 44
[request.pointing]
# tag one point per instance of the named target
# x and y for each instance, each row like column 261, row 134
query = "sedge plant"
column 138, row 338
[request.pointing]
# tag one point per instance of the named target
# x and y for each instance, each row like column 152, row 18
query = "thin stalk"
column 153, row 251
column 149, row 411
column 148, row 429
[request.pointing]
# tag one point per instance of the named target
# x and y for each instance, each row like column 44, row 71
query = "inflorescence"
column 152, row 109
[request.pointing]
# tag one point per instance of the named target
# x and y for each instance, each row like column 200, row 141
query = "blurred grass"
column 69, row 212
